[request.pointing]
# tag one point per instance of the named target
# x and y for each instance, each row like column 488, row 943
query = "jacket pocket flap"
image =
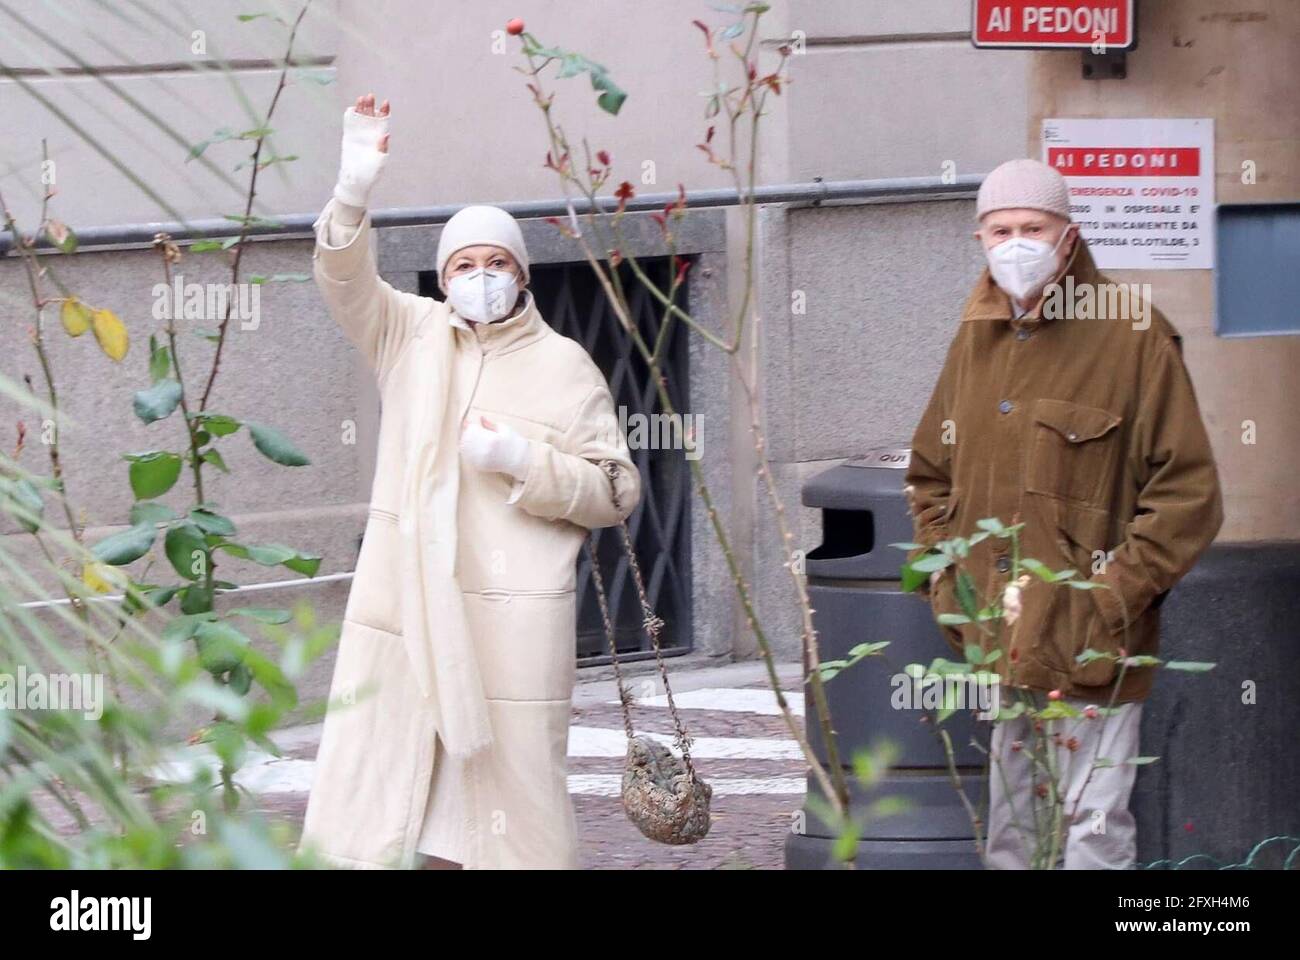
column 1075, row 422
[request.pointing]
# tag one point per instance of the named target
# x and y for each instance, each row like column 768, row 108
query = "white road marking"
column 611, row 785
column 260, row 773
column 728, row 699
column 265, row 773
column 600, row 742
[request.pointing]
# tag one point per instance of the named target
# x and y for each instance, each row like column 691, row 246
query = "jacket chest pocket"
column 1074, row 451
column 374, row 599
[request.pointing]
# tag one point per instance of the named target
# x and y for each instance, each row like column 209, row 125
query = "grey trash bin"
column 855, row 590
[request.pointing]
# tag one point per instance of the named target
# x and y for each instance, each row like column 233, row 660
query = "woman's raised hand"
column 364, row 152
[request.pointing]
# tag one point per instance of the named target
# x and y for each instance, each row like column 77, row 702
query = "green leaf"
column 321, row 77
column 61, row 235
column 267, row 162
column 953, row 619
column 263, row 614
column 221, row 646
column 908, row 546
column 966, row 597
column 28, row 504
column 991, row 524
column 213, row 456
column 153, row 474
column 152, row 512
column 973, row 653
column 218, row 424
column 305, row 563
column 1058, row 710
column 183, row 627
column 126, row 546
column 275, row 446
column 213, row 523
column 1141, row 761
column 161, row 596
column 274, row 554
column 271, row 678
column 1010, row 712
column 251, row 221
column 196, row 598
column 160, row 360
column 1191, row 666
column 204, row 246
column 219, row 136
column 158, row 401
column 240, row 679
column 183, row 544
column 911, row 577
column 1141, row 661
column 931, row 562
column 867, row 649
column 1038, row 569
column 1080, row 584
column 281, row 278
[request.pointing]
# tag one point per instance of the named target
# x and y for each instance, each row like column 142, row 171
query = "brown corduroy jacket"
column 1086, row 430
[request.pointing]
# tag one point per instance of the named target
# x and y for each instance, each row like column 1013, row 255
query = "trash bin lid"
column 889, row 458
column 865, row 510
column 871, row 481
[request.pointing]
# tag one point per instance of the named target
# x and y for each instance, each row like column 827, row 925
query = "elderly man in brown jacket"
column 1057, row 410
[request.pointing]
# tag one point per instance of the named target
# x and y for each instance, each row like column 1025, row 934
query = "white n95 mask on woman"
column 483, row 295
column 1022, row 266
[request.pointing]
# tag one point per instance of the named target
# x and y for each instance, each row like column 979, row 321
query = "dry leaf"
column 110, row 332
column 75, row 316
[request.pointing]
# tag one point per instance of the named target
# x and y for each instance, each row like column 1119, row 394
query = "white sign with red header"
column 1142, row 191
column 1072, row 24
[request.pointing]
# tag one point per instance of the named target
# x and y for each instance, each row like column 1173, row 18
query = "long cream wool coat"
column 463, row 599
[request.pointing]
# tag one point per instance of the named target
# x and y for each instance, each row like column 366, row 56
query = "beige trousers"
column 1102, row 834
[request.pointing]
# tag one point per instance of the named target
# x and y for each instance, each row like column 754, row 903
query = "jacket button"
column 1022, row 334
column 1006, row 406
column 1073, row 436
column 1003, row 564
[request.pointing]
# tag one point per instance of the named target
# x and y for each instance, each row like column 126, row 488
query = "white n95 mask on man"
column 483, row 295
column 1022, row 266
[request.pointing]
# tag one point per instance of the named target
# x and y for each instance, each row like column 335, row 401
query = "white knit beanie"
column 1027, row 184
column 481, row 223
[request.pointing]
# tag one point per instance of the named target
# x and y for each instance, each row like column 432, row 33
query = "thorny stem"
column 248, row 209
column 837, row 791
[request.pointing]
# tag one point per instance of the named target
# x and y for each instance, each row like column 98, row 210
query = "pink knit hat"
column 1024, row 184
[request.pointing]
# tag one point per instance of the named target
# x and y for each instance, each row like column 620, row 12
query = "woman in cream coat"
column 448, row 723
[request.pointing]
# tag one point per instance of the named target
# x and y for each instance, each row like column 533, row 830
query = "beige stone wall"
column 1238, row 64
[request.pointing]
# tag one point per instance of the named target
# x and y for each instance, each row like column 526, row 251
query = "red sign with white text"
column 1126, row 161
column 1107, row 24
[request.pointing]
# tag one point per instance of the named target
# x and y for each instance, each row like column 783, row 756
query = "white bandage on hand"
column 502, row 450
column 360, row 160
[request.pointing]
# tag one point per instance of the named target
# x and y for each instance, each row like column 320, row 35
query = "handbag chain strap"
column 650, row 622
